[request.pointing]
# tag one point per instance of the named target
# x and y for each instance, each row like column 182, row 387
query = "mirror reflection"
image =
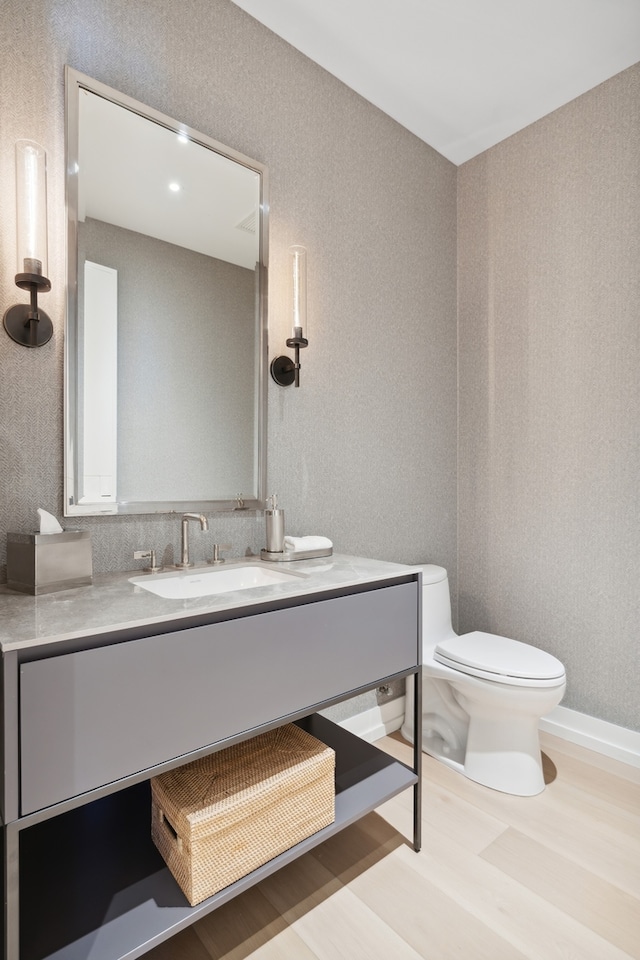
column 165, row 322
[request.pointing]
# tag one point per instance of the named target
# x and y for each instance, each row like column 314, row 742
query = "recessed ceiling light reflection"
column 174, row 187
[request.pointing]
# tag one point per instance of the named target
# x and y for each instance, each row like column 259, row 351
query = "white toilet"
column 482, row 697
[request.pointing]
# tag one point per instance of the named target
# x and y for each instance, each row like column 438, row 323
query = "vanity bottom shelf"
column 94, row 886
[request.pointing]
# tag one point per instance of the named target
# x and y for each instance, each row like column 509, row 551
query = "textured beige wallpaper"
column 549, row 362
column 364, row 452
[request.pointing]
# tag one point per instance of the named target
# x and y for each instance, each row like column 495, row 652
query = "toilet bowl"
column 482, row 697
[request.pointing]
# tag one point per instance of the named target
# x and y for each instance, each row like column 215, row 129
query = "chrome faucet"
column 204, row 525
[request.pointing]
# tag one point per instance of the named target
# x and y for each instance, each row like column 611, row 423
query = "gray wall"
column 364, row 452
column 549, row 286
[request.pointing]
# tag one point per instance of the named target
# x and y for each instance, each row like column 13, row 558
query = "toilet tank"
column 436, row 608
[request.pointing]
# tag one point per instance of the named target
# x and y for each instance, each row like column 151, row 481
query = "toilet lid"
column 499, row 658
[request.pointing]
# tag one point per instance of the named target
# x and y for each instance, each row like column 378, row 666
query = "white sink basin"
column 184, row 584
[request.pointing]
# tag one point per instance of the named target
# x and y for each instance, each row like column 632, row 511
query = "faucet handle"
column 147, row 555
column 217, row 547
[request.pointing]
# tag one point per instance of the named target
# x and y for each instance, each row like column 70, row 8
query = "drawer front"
column 96, row 716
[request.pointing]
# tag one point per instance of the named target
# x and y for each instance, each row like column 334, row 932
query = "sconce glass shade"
column 284, row 370
column 298, row 281
column 31, row 208
column 26, row 323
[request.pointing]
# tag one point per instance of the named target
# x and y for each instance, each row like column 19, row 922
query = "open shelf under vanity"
column 95, row 885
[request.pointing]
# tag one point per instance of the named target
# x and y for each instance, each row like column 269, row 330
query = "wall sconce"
column 284, row 370
column 26, row 323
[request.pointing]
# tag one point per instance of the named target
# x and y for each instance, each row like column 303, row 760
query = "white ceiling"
column 461, row 74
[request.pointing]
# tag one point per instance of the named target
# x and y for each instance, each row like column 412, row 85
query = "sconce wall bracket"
column 286, row 371
column 25, row 323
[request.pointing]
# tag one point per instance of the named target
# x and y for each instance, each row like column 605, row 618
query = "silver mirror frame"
column 74, row 83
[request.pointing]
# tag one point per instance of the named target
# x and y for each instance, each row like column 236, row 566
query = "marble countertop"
column 112, row 603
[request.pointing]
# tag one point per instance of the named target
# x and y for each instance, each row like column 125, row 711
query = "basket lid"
column 222, row 782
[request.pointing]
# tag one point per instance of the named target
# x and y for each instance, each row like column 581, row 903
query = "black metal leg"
column 11, row 887
column 417, row 759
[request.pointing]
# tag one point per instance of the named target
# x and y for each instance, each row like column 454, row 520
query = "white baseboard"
column 376, row 722
column 598, row 735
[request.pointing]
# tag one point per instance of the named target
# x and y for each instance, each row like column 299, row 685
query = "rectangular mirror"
column 166, row 337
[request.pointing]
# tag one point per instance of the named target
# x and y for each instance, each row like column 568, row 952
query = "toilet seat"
column 500, row 659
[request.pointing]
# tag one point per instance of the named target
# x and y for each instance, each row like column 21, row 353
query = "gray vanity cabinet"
column 95, row 716
column 97, row 722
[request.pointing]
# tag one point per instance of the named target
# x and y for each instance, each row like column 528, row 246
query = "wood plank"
column 557, row 819
column 433, row 922
column 596, row 761
column 605, row 909
column 330, row 919
column 610, row 785
column 535, row 928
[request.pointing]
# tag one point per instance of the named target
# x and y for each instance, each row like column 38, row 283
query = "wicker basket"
column 220, row 817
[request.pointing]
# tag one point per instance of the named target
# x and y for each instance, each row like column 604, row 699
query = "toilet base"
column 514, row 771
column 497, row 750
column 505, row 755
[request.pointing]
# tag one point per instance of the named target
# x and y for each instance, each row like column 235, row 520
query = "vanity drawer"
column 99, row 715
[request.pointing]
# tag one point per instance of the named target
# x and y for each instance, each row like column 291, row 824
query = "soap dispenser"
column 275, row 525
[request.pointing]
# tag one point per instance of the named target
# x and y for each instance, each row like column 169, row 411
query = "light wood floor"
column 553, row 877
